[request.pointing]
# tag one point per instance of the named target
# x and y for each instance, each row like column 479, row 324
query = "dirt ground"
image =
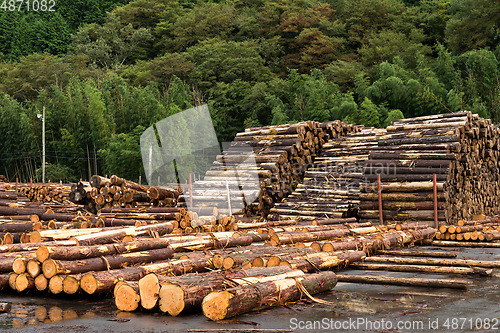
column 353, row 308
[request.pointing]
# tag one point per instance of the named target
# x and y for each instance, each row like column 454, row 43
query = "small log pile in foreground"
column 480, row 230
column 140, row 262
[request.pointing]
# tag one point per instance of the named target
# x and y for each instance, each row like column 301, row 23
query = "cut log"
column 242, row 299
column 82, row 252
column 99, row 282
column 52, row 267
column 408, row 282
column 434, row 261
column 424, row 269
column 419, row 253
column 127, row 296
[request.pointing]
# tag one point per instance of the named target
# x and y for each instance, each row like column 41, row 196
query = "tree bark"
column 52, row 267
column 408, row 282
column 242, row 299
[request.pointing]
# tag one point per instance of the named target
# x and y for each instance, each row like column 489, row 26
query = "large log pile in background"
column 330, row 185
column 460, row 148
column 265, row 163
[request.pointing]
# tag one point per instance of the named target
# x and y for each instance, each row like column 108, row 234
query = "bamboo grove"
column 112, row 69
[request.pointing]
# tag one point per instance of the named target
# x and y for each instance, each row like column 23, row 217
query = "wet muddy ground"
column 352, row 308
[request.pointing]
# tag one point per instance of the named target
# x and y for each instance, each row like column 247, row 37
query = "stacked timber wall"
column 459, row 150
column 262, row 166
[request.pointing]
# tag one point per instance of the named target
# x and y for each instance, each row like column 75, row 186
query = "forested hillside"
column 106, row 70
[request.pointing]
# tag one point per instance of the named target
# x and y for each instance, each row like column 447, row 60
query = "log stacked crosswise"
column 262, row 166
column 331, row 185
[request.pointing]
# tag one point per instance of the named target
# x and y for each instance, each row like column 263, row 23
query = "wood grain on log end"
column 24, row 282
column 88, row 283
column 126, row 298
column 71, row 285
column 35, row 237
column 217, row 261
column 49, row 268
column 41, row 282
column 19, row 266
column 171, row 299
column 259, row 262
column 215, row 305
column 33, row 268
column 56, row 284
column 12, row 280
column 149, row 289
column 42, row 253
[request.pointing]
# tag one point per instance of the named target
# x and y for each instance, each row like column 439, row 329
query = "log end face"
column 273, row 261
column 12, row 280
column 56, row 284
column 41, row 282
column 33, row 268
column 42, row 253
column 126, row 298
column 217, row 261
column 88, row 283
column 19, row 266
column 149, row 289
column 35, row 237
column 49, row 268
column 216, row 304
column 228, row 263
column 23, row 282
column 171, row 299
column 70, row 285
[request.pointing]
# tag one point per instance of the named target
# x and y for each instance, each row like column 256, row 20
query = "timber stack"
column 118, row 192
column 481, row 229
column 262, row 166
column 330, row 188
column 446, row 163
column 47, row 192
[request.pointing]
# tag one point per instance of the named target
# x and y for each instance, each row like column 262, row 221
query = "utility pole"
column 43, row 143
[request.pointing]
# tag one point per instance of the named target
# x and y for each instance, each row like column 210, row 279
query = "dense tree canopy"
column 107, row 70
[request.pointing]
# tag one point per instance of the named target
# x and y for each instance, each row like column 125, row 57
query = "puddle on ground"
column 35, row 312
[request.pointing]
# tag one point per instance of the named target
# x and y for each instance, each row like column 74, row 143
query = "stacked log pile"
column 331, row 185
column 262, row 166
column 118, row 192
column 200, row 220
column 485, row 229
column 461, row 149
column 47, row 192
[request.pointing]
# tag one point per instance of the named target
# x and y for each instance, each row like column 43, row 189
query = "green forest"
column 105, row 70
